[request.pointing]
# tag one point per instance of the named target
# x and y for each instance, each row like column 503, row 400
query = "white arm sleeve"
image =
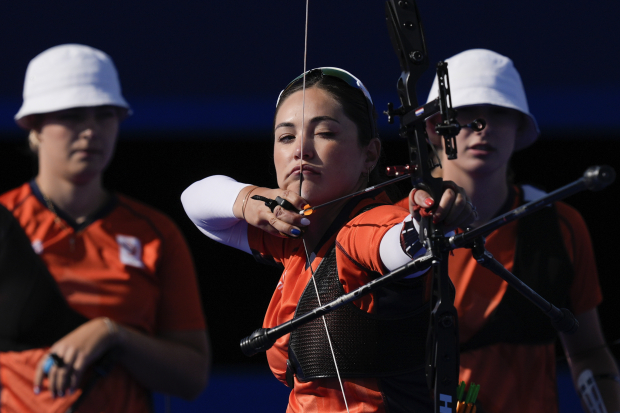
column 209, row 204
column 391, row 251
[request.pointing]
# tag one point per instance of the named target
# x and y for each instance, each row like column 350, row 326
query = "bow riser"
column 406, row 33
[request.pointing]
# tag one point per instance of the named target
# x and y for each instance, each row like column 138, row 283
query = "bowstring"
column 301, row 180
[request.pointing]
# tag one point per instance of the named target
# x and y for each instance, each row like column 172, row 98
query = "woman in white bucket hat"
column 123, row 267
column 508, row 346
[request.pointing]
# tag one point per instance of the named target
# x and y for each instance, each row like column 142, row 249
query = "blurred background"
column 203, row 78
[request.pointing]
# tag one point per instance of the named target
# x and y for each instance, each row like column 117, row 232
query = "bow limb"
column 407, row 35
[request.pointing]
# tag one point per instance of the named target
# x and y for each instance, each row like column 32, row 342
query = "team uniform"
column 379, row 340
column 516, row 369
column 354, row 240
column 129, row 263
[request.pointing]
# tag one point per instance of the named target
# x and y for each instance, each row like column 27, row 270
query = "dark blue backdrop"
column 218, row 66
column 203, row 76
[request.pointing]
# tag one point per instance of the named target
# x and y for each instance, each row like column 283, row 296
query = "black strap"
column 542, row 262
column 33, row 311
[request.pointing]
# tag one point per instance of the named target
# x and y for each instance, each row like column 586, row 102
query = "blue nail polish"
column 295, row 231
column 305, row 221
column 37, row 390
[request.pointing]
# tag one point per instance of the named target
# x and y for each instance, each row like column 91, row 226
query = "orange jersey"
column 130, row 263
column 358, row 252
column 516, row 378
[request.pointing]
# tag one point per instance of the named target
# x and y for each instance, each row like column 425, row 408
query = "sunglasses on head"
column 342, row 75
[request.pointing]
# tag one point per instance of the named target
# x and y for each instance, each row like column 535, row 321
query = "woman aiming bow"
column 373, row 350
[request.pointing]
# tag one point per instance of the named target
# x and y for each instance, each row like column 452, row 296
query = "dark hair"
column 354, row 104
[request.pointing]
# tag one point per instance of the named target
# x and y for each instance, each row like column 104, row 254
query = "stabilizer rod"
column 263, row 338
column 561, row 319
column 594, row 178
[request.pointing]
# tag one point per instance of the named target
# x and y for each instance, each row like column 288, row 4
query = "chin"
column 311, row 196
column 484, row 169
column 84, row 177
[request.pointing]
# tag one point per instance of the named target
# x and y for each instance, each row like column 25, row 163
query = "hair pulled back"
column 354, row 105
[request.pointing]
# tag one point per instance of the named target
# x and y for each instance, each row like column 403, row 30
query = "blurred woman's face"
column 78, row 143
column 487, row 151
column 334, row 164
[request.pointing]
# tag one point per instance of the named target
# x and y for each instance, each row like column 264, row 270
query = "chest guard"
column 542, row 262
column 365, row 345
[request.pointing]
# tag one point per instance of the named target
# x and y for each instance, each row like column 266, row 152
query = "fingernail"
column 36, row 390
column 305, row 221
column 428, row 201
column 295, row 231
column 61, row 393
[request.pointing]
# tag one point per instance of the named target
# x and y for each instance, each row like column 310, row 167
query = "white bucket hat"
column 483, row 77
column 69, row 76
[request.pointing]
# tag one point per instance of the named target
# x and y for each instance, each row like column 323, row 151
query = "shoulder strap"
column 541, row 261
column 33, row 311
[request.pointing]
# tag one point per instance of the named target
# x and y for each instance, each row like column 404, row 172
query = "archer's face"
column 77, row 144
column 333, row 161
column 488, row 151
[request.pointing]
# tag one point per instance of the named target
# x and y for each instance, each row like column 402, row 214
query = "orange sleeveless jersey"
column 516, row 378
column 360, row 238
column 131, row 264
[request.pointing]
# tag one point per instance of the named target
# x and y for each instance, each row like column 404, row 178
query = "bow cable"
column 301, row 179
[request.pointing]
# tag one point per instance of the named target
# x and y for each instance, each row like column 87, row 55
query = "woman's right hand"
column 281, row 222
column 76, row 352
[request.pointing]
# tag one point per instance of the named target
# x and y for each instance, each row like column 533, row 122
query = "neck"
column 487, row 192
column 77, row 201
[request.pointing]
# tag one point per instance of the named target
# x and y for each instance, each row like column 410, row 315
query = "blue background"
column 202, row 78
column 218, row 66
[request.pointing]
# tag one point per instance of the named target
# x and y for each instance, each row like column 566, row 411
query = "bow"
column 407, row 35
column 442, row 365
column 408, row 41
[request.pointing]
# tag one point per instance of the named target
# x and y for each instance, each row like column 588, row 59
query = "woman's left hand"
column 454, row 209
column 74, row 353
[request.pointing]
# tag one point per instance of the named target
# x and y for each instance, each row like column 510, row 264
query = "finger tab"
column 285, row 204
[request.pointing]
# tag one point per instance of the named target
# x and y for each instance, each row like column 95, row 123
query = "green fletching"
column 477, row 389
column 460, row 390
column 470, row 392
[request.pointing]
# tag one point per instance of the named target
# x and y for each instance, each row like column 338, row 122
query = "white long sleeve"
column 209, row 204
column 391, row 251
